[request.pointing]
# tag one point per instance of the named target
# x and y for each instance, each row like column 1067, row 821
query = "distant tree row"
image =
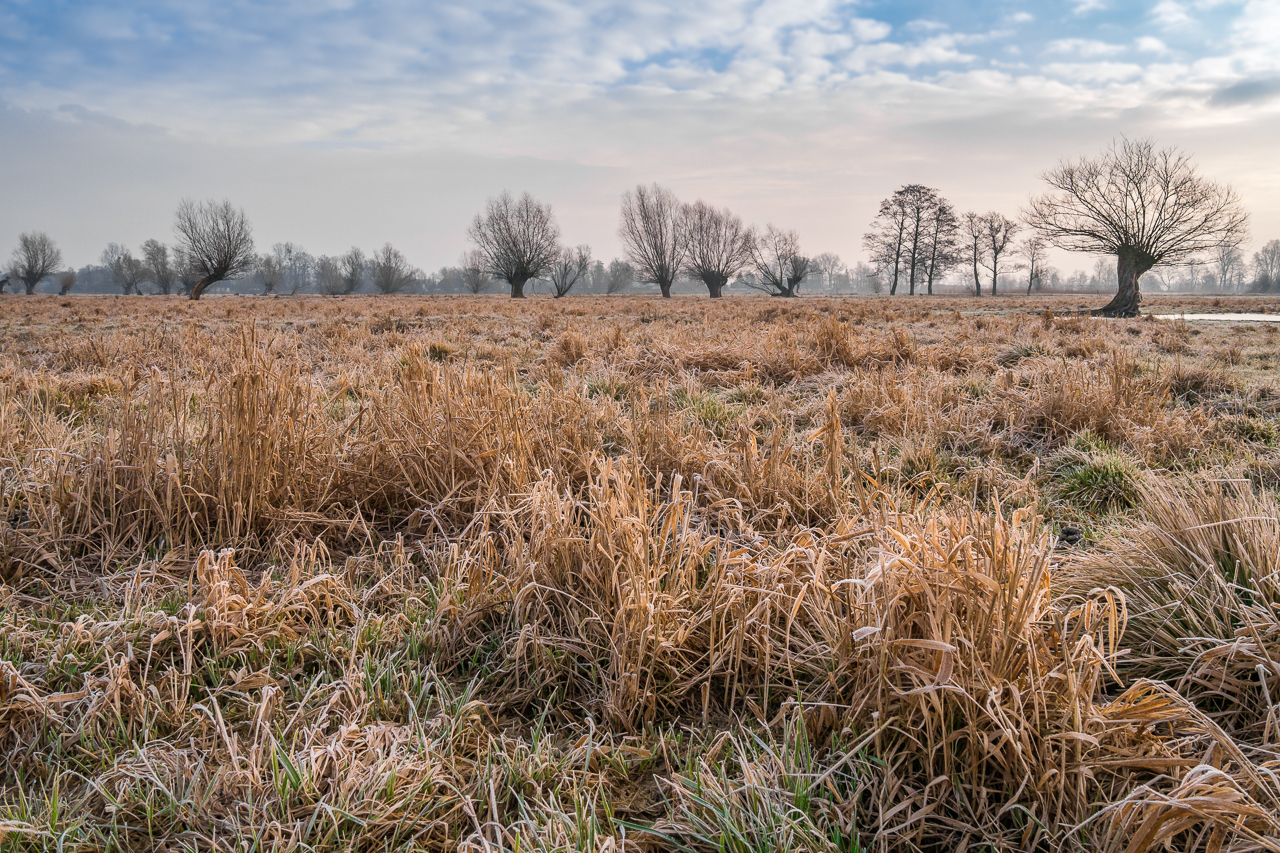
column 517, row 241
column 1145, row 207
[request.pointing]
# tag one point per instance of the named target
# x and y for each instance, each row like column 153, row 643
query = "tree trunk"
column 977, row 279
column 1130, row 265
column 665, row 287
column 517, row 288
column 715, row 285
column 200, row 286
column 31, row 287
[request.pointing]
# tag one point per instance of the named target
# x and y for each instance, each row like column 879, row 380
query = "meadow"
column 462, row 573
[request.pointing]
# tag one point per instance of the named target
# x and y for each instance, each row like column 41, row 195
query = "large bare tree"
column 517, row 239
column 778, row 262
column 1146, row 206
column 717, row 245
column 159, row 267
column 651, row 235
column 570, row 267
column 391, row 272
column 216, row 240
column 36, row 258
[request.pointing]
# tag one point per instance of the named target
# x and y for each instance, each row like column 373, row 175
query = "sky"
column 336, row 123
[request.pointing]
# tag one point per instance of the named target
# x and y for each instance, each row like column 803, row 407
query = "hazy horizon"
column 336, row 124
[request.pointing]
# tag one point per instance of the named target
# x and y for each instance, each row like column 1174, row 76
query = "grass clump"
column 1094, row 481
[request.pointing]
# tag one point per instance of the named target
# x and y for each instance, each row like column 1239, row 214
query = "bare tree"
column 888, row 237
column 271, row 271
column 159, row 268
column 474, row 279
column 913, row 234
column 517, row 239
column 717, row 245
column 939, row 250
column 1266, row 266
column 66, row 281
column 216, row 239
column 186, row 273
column 36, row 258
column 328, row 273
column 352, row 266
column 390, row 272
column 778, row 263
column 973, row 246
column 1142, row 205
column 828, row 265
column 998, row 232
column 618, row 276
column 652, row 236
column 296, row 266
column 1230, row 266
column 127, row 272
column 1033, row 251
column 569, row 268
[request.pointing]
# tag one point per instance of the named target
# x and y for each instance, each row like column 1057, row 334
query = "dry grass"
column 615, row 574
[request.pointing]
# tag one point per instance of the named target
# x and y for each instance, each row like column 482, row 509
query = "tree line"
column 1145, row 208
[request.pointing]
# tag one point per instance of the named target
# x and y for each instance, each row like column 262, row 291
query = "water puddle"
column 1224, row 318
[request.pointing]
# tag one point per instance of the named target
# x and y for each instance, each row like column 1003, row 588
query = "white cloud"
column 1082, row 7
column 1085, row 48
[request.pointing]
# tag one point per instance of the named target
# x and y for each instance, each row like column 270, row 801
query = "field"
column 604, row 574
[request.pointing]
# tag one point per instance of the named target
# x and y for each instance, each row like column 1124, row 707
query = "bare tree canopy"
column 651, row 235
column 717, row 245
column 127, row 272
column 159, row 268
column 517, row 239
column 1143, row 205
column 216, row 240
column 778, row 263
column 36, row 258
column 66, row 281
column 570, row 267
column 390, row 272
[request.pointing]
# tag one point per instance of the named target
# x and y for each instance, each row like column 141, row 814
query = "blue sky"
column 336, row 122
